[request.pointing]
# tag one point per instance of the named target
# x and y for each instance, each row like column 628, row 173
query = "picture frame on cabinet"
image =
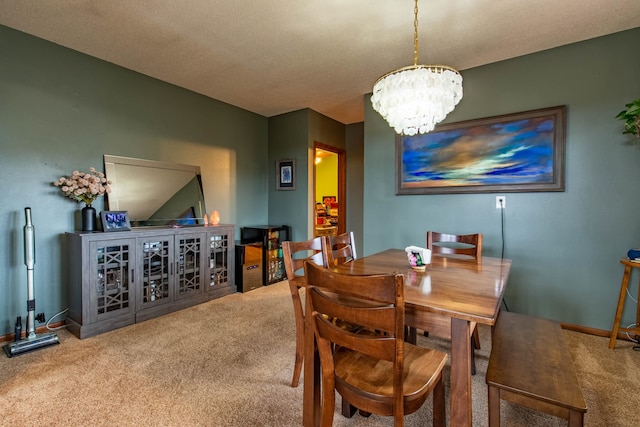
column 115, row 221
column 518, row 152
column 286, row 174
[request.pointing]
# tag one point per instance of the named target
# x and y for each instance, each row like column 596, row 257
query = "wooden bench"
column 530, row 365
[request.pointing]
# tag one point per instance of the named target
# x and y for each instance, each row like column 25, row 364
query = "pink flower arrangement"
column 84, row 186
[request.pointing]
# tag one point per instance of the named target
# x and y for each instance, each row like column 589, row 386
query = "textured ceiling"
column 273, row 57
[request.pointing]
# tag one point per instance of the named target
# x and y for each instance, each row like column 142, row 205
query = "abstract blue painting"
column 511, row 153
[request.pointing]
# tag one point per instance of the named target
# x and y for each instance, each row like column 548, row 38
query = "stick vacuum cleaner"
column 32, row 341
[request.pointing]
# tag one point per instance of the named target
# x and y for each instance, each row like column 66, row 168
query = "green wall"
column 292, row 136
column 61, row 110
column 288, row 139
column 355, row 181
column 565, row 246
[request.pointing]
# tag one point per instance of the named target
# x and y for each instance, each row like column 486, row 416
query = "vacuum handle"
column 29, row 241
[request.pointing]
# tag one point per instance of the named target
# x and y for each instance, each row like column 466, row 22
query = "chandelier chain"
column 415, row 34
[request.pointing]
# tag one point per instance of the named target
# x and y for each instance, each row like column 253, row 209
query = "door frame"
column 342, row 184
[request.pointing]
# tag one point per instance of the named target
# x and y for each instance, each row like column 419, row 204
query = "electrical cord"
column 635, row 325
column 635, row 347
column 502, row 227
column 53, row 317
column 504, row 300
column 629, row 336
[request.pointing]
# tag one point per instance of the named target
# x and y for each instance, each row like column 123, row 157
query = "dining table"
column 462, row 291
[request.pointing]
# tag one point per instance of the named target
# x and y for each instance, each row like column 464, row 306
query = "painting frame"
column 506, row 138
column 286, row 174
column 115, row 221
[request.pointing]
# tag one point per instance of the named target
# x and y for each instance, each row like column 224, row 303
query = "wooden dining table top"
column 453, row 287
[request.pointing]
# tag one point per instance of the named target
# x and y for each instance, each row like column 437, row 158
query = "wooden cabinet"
column 271, row 237
column 120, row 278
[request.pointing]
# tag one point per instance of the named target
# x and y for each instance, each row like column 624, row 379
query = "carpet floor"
column 228, row 362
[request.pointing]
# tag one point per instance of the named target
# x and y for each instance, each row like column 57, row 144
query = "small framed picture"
column 286, row 174
column 115, row 221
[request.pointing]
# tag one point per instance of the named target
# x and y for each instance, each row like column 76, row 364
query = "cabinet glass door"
column 218, row 260
column 189, row 268
column 156, row 271
column 113, row 278
column 275, row 260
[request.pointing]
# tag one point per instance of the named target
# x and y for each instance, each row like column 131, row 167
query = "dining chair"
column 295, row 254
column 377, row 372
column 465, row 246
column 340, row 249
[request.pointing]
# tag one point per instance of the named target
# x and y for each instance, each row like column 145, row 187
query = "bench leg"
column 494, row 406
column 576, row 419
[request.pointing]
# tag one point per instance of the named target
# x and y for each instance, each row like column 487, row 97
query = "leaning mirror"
column 155, row 193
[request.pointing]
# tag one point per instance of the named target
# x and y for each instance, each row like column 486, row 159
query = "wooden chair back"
column 469, row 245
column 295, row 254
column 367, row 367
column 340, row 249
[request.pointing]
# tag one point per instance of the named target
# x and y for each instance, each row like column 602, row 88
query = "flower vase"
column 88, row 218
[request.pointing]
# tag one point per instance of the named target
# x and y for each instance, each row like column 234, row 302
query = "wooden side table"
column 628, row 265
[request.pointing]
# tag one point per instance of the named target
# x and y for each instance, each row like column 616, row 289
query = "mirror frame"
column 110, row 162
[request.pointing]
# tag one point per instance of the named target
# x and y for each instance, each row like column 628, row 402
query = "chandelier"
column 414, row 99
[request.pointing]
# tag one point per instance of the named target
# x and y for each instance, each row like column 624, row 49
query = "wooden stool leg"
column 621, row 299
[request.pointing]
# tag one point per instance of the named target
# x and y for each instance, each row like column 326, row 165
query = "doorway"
column 329, row 190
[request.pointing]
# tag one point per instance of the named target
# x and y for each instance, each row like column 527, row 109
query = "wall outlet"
column 501, row 202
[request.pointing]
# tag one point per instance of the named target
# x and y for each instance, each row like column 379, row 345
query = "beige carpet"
column 228, row 362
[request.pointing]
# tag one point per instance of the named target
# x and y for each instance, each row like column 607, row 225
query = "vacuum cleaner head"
column 30, row 344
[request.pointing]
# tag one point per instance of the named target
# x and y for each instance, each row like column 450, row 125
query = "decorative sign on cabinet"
column 117, row 279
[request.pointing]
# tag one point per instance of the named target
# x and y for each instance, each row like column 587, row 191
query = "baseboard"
column 39, row 330
column 567, row 326
column 592, row 331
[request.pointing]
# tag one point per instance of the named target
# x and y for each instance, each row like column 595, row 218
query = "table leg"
column 460, row 381
column 621, row 299
column 311, row 382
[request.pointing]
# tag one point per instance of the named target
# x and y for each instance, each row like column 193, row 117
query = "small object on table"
column 418, row 257
column 634, row 254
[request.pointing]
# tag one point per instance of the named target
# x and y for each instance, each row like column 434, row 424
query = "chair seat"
column 376, row 376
